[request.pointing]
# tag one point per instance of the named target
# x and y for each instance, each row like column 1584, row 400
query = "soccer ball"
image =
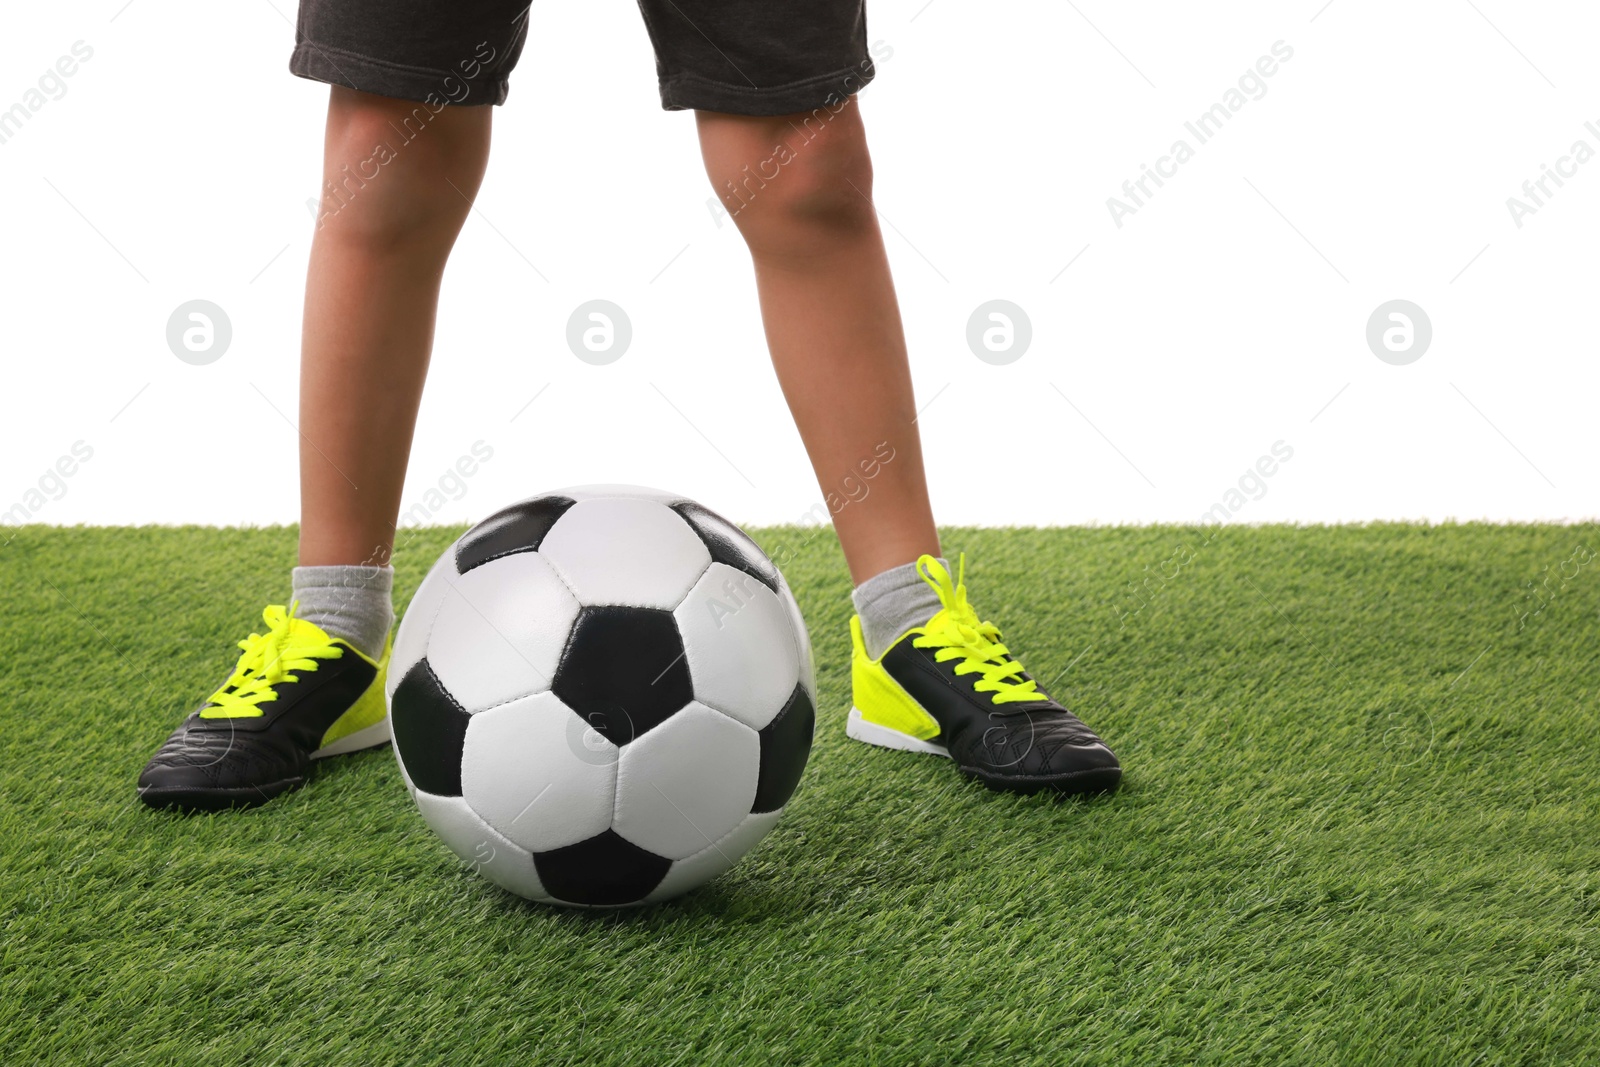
column 602, row 696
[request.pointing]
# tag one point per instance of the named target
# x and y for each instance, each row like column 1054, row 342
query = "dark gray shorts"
column 748, row 57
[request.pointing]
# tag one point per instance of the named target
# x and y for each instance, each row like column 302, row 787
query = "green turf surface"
column 1360, row 823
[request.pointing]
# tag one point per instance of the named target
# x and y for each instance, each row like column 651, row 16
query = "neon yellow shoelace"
column 290, row 644
column 958, row 633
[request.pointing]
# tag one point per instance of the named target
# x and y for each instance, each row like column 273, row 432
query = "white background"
column 1227, row 314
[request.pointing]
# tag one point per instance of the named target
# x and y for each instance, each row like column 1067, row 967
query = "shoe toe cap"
column 201, row 767
column 171, row 770
column 1045, row 751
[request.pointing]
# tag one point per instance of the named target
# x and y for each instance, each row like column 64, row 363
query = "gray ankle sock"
column 349, row 601
column 892, row 603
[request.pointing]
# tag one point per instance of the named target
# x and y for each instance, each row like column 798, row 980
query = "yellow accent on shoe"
column 289, row 645
column 369, row 709
column 957, row 633
column 879, row 698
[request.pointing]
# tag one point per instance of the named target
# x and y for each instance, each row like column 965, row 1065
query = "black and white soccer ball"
column 602, row 696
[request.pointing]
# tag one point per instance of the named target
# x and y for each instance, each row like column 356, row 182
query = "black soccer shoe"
column 950, row 688
column 296, row 695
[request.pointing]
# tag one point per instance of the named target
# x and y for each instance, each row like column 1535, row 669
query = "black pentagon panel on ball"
column 604, row 869
column 624, row 671
column 728, row 544
column 429, row 728
column 519, row 528
column 785, row 747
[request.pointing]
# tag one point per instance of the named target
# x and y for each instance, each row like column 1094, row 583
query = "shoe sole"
column 1094, row 780
column 254, row 796
column 1074, row 783
column 871, row 733
column 218, row 799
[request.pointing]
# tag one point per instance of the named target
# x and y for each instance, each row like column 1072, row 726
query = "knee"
column 398, row 173
column 808, row 191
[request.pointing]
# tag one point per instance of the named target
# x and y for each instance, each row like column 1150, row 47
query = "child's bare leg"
column 389, row 217
column 832, row 322
column 371, row 293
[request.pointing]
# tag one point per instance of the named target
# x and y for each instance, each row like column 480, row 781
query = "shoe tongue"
column 303, row 629
column 942, row 621
column 306, row 630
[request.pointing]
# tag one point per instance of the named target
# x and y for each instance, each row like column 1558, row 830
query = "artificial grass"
column 1358, row 825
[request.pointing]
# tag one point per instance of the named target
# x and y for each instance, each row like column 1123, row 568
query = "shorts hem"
column 366, row 74
column 691, row 92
